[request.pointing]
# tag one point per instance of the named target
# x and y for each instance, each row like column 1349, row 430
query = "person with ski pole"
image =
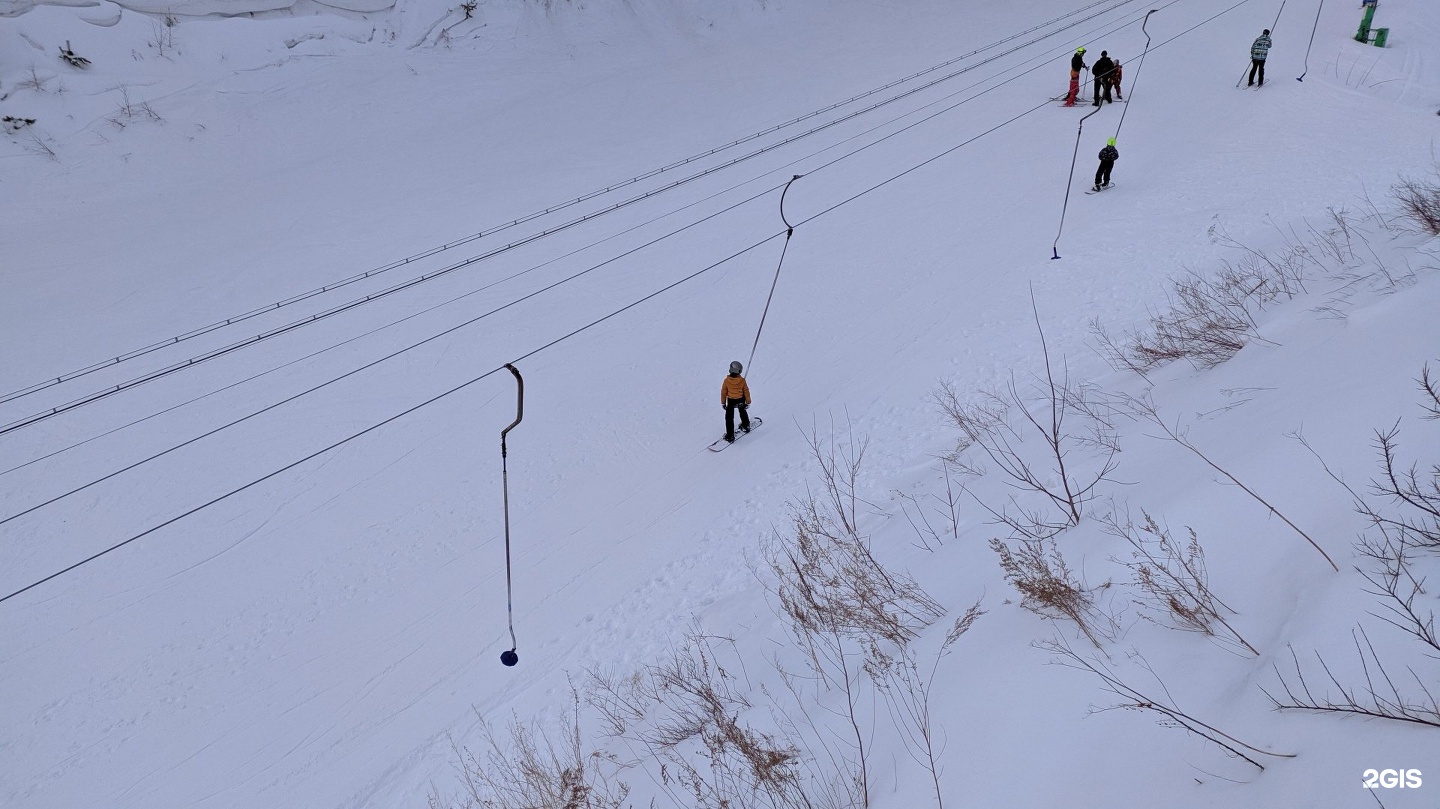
column 1258, row 51
column 1108, row 156
column 1103, row 68
column 1077, row 64
column 735, row 395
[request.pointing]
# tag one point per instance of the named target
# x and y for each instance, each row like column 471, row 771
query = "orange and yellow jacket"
column 734, row 387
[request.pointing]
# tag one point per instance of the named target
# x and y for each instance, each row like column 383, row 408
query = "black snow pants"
column 1102, row 174
column 1257, row 65
column 731, row 405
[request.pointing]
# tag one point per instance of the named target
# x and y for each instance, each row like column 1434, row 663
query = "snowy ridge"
column 322, row 637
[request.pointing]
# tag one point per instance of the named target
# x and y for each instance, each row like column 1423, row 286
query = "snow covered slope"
column 310, row 596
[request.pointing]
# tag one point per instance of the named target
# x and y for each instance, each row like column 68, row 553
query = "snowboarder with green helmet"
column 1108, row 156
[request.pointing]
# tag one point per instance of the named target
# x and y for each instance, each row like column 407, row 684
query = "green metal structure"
column 1364, row 34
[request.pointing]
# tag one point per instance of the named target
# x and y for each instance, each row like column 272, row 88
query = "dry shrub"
column 1173, row 579
column 688, row 714
column 1049, row 589
column 1211, row 317
column 1419, row 202
column 530, row 769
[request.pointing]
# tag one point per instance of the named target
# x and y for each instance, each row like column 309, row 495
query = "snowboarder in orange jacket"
column 735, row 395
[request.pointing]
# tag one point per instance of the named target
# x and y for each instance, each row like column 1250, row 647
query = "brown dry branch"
column 1048, row 588
column 531, row 770
column 840, row 473
column 1146, row 409
column 848, row 784
column 1171, row 715
column 845, row 612
column 1379, row 697
column 950, row 511
column 1211, row 317
column 688, row 715
column 907, row 693
column 849, row 616
column 1174, row 579
column 827, row 580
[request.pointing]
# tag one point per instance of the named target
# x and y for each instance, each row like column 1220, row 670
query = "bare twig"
column 1136, row 700
column 1147, row 409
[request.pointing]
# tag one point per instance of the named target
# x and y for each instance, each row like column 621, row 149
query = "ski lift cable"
column 393, row 418
column 535, row 351
column 306, row 295
column 373, row 363
column 277, row 331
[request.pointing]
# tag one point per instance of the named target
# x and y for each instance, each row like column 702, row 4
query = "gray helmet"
column 735, row 367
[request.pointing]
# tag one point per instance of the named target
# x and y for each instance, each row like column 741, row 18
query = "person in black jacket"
column 1101, row 72
column 1077, row 64
column 1108, row 156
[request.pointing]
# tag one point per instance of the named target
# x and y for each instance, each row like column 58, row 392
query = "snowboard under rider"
column 735, row 395
column 1258, row 51
column 1104, row 67
column 1108, row 156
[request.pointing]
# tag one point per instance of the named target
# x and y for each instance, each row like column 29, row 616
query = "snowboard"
column 1106, row 187
column 721, row 443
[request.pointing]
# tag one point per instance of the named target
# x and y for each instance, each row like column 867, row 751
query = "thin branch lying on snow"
column 1147, row 409
column 1378, row 698
column 1171, row 715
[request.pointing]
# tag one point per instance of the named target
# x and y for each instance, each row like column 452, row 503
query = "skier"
column 1077, row 64
column 1108, row 156
column 1258, row 51
column 735, row 395
column 1103, row 68
column 1116, row 74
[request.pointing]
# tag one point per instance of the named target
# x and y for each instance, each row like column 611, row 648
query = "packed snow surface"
column 264, row 262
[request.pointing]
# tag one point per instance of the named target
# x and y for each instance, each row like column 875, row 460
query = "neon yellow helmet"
column 1110, row 142
column 1080, row 49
